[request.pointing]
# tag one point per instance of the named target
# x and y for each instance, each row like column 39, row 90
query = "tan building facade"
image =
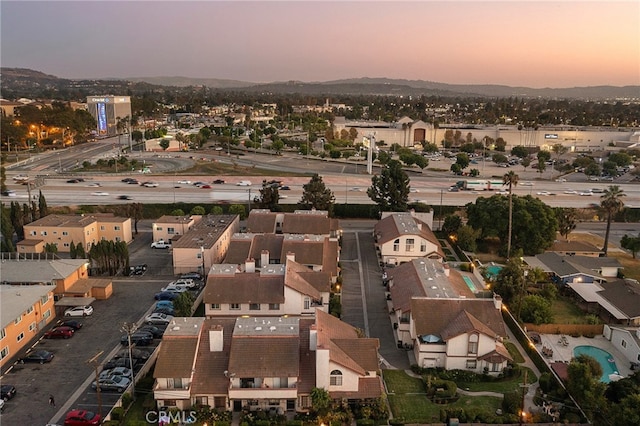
column 168, row 227
column 62, row 230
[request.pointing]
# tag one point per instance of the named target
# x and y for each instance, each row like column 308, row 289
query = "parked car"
column 116, row 371
column 82, row 418
column 59, row 333
column 76, row 325
column 135, row 354
column 165, row 295
column 79, row 311
column 40, row 356
column 191, row 276
column 186, row 282
column 158, row 319
column 7, row 392
column 171, row 288
column 166, row 311
column 123, row 362
column 113, row 383
column 138, row 269
column 139, row 338
column 164, row 304
column 162, row 244
column 156, row 332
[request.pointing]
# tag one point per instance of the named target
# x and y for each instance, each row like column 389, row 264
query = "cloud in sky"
column 535, row 44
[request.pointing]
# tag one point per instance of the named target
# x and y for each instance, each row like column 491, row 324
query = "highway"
column 348, row 181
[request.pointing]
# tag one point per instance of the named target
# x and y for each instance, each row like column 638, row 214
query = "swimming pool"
column 470, row 283
column 604, row 358
column 493, row 271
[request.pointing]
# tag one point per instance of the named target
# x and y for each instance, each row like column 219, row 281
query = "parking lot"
column 69, row 375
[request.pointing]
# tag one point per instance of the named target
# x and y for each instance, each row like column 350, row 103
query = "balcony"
column 263, row 393
column 160, row 392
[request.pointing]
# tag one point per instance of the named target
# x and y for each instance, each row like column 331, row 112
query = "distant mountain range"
column 20, row 81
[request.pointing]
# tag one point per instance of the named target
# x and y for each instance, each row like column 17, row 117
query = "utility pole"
column 130, row 329
column 94, row 361
column 524, row 388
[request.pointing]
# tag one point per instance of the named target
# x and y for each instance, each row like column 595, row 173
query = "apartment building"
column 168, row 227
column 62, row 230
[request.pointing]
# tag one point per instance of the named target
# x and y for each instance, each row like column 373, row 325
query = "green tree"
column 390, row 189
column 499, row 158
column 177, row 212
column 621, row 159
column 50, row 248
column 268, row 196
column 611, row 202
column 72, row 250
column 42, row 205
column 164, row 144
column 462, row 159
column 238, row 209
column 631, row 243
column 451, row 224
column 510, row 180
column 198, row 210
column 584, row 384
column 567, row 220
column 320, row 401
column 277, row 146
column 216, row 210
column 6, row 230
column 80, row 253
column 537, row 310
column 592, row 170
column 467, row 237
column 526, row 162
column 316, row 195
column 183, row 304
column 520, row 151
column 510, row 282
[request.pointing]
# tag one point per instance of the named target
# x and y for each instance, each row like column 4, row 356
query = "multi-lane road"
column 348, row 181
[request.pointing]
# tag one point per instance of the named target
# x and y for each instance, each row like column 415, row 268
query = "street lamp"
column 130, row 329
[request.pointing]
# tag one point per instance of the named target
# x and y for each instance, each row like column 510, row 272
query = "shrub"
column 117, row 413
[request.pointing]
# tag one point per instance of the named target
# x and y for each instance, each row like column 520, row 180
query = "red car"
column 81, row 418
column 205, row 186
column 59, row 333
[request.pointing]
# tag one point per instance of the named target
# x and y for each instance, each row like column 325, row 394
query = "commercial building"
column 108, row 112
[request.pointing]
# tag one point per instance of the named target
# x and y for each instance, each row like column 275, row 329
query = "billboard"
column 102, row 118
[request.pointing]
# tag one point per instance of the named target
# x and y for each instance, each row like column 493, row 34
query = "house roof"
column 308, row 222
column 176, row 357
column 208, row 376
column 423, row 278
column 15, row 300
column 206, row 232
column 368, row 388
column 270, row 242
column 238, row 251
column 450, row 317
column 294, row 279
column 253, row 287
column 590, row 292
column 29, row 242
column 307, row 372
column 261, row 222
column 172, row 219
column 39, row 271
column 565, row 266
column 624, row 295
column 400, row 224
column 345, row 346
column 573, row 246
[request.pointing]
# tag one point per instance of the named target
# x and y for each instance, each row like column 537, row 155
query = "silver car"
column 113, row 383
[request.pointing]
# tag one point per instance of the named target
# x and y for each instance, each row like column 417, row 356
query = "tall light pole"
column 130, row 329
column 94, row 362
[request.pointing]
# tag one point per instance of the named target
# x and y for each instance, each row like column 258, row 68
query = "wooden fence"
column 568, row 329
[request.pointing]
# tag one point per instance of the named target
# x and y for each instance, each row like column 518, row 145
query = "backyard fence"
column 587, row 330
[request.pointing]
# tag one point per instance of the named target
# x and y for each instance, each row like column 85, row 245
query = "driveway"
column 363, row 295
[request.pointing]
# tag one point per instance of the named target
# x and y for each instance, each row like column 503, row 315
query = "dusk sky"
column 534, row 44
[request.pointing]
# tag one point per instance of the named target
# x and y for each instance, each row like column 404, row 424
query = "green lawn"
column 408, row 399
column 566, row 312
column 500, row 387
column 514, row 352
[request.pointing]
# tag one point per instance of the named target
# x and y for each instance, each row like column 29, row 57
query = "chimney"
column 313, row 337
column 216, row 339
column 447, row 270
column 497, row 301
column 250, row 265
column 264, row 258
column 291, row 256
column 419, row 225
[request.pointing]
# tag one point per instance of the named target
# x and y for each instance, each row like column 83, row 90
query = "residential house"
column 419, row 278
column 575, row 248
column 62, row 230
column 205, row 244
column 267, row 363
column 168, row 227
column 24, row 311
column 284, row 289
column 73, row 286
column 616, row 301
column 574, row 269
column 465, row 334
column 627, row 341
column 303, row 222
column 401, row 237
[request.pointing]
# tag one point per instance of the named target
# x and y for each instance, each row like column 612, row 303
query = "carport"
column 69, row 302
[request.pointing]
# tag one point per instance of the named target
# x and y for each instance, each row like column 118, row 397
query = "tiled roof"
column 245, row 288
column 440, row 316
column 270, row 242
column 306, row 252
column 206, row 232
column 13, row 271
column 170, row 219
column 238, row 251
column 265, row 356
column 296, row 223
column 565, row 266
column 261, row 222
column 399, row 224
column 296, row 281
column 176, row 357
column 307, row 371
column 66, row 220
column 368, row 388
column 208, row 376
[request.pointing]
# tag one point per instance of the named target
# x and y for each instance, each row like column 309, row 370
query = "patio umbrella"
column 430, row 338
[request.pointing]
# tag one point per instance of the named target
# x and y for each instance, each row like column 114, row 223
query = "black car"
column 121, row 362
column 218, row 181
column 74, row 324
column 135, row 354
column 155, row 331
column 73, row 181
column 39, row 356
column 139, row 338
column 124, row 197
column 285, row 188
column 138, row 269
column 7, row 392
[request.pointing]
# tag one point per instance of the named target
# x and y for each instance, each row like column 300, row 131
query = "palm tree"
column 611, row 202
column 510, row 179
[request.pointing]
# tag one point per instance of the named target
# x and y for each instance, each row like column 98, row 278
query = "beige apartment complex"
column 62, row 230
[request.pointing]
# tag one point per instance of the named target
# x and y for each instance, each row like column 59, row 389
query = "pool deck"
column 562, row 353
